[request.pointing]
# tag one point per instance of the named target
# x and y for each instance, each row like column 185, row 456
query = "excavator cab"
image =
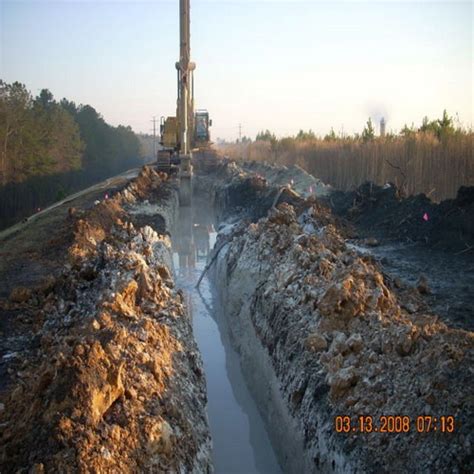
column 202, row 123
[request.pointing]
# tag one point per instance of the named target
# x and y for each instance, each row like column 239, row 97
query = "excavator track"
column 163, row 162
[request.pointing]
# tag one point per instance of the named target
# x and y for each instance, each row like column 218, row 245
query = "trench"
column 241, row 443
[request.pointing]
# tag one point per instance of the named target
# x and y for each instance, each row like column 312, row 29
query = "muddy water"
column 241, row 444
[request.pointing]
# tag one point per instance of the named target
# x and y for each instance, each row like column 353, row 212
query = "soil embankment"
column 103, row 371
column 322, row 330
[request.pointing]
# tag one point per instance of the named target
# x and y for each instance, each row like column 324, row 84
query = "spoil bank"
column 384, row 211
column 103, row 371
column 322, row 331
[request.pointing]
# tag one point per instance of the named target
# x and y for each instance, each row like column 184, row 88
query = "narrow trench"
column 240, row 441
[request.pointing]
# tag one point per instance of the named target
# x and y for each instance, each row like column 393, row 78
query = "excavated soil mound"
column 241, row 193
column 341, row 342
column 105, row 375
column 447, row 225
column 302, row 182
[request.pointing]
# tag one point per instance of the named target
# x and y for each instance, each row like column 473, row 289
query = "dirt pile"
column 383, row 210
column 106, row 376
column 343, row 339
column 238, row 193
column 302, row 182
column 37, row 247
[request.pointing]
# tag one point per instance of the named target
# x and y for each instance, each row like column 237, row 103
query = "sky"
column 277, row 65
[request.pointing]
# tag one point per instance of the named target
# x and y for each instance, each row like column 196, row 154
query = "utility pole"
column 154, row 137
column 240, row 132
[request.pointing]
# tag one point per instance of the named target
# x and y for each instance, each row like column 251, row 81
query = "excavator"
column 188, row 130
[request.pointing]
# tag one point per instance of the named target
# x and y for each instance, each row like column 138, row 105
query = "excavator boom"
column 179, row 134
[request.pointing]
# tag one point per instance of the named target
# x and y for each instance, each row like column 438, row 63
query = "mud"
column 415, row 237
column 450, row 277
column 383, row 211
column 103, row 371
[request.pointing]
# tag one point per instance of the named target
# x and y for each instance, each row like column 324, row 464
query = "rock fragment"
column 20, row 294
column 316, row 343
column 342, row 380
column 423, row 286
column 355, row 342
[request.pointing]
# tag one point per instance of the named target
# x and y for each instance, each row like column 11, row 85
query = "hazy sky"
column 281, row 65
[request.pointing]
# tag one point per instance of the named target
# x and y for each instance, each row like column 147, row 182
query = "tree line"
column 51, row 148
column 440, row 128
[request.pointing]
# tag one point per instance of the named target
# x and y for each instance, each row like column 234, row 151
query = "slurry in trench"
column 240, row 441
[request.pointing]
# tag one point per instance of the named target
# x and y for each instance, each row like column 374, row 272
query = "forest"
column 434, row 158
column 50, row 149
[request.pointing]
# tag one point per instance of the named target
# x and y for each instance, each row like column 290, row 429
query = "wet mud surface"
column 416, row 238
column 384, row 211
column 450, row 277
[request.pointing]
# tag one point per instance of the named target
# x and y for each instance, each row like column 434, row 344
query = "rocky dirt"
column 341, row 336
column 37, row 247
column 103, row 372
column 294, row 176
column 342, row 342
column 238, row 193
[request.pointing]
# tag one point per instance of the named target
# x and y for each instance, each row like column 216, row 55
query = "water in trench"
column 240, row 441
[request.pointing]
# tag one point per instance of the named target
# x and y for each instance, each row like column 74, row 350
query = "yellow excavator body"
column 170, row 133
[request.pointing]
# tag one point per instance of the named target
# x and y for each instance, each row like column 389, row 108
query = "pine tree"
column 368, row 133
